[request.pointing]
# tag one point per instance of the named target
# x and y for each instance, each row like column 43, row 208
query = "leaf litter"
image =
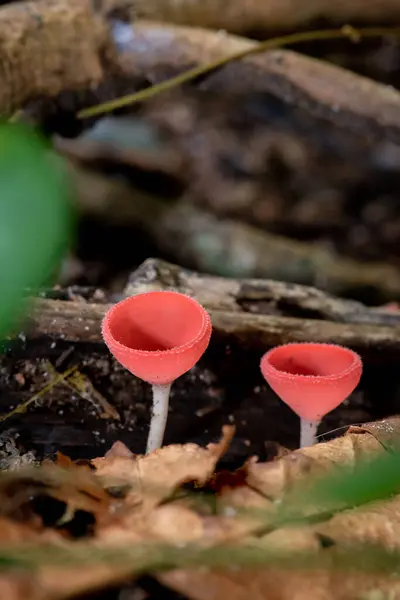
column 321, row 522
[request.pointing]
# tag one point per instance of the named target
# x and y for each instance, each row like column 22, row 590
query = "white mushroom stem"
column 159, row 416
column 308, row 432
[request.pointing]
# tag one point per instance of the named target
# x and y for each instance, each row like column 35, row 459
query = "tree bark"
column 323, row 89
column 243, row 16
column 80, row 323
column 256, row 296
column 61, row 321
column 49, row 46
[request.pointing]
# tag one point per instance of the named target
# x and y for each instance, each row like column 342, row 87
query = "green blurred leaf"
column 149, row 557
column 35, row 217
column 342, row 488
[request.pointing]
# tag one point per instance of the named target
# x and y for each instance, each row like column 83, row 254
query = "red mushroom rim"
column 356, row 361
column 205, row 324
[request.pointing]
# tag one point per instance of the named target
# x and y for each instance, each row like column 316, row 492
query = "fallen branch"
column 62, row 322
column 325, row 90
column 49, row 46
column 265, row 15
column 261, row 296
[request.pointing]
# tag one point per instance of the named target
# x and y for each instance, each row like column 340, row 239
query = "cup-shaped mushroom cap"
column 312, row 379
column 157, row 336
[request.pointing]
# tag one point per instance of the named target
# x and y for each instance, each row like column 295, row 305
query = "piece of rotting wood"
column 230, row 303
column 265, row 15
column 50, row 46
column 323, row 89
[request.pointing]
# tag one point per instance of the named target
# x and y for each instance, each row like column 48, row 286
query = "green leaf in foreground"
column 342, row 488
column 146, row 558
column 35, row 217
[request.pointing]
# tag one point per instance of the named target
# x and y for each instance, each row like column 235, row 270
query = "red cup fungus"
column 157, row 336
column 312, row 379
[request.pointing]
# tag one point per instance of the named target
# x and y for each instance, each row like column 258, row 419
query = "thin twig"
column 354, row 35
column 21, row 408
column 321, row 435
column 82, row 385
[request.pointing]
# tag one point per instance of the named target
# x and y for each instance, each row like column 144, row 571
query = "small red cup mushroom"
column 157, row 336
column 312, row 379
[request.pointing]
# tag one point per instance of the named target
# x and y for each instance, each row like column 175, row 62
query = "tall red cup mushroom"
column 157, row 336
column 312, row 379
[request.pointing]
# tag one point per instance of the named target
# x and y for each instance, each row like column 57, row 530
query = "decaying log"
column 231, row 248
column 76, row 322
column 265, row 15
column 325, row 90
column 49, row 46
column 73, row 322
column 247, row 16
column 261, row 296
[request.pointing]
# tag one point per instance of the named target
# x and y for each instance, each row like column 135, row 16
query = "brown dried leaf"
column 146, row 517
column 275, row 478
column 173, row 523
column 119, row 449
column 58, row 583
column 75, row 486
column 20, row 587
column 274, row 584
column 83, row 493
column 240, row 508
column 376, row 523
column 290, row 539
column 12, row 532
column 154, row 477
column 63, row 461
column 386, row 431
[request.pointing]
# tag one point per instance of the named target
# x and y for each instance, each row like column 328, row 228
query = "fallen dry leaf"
column 239, row 509
column 12, row 532
column 174, row 522
column 275, row 584
column 19, row 587
column 150, row 508
column 154, row 477
column 386, row 431
column 118, row 449
column 275, row 478
column 375, row 523
column 21, row 493
column 63, row 461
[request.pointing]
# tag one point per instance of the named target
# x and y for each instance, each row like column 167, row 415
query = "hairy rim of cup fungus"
column 312, row 379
